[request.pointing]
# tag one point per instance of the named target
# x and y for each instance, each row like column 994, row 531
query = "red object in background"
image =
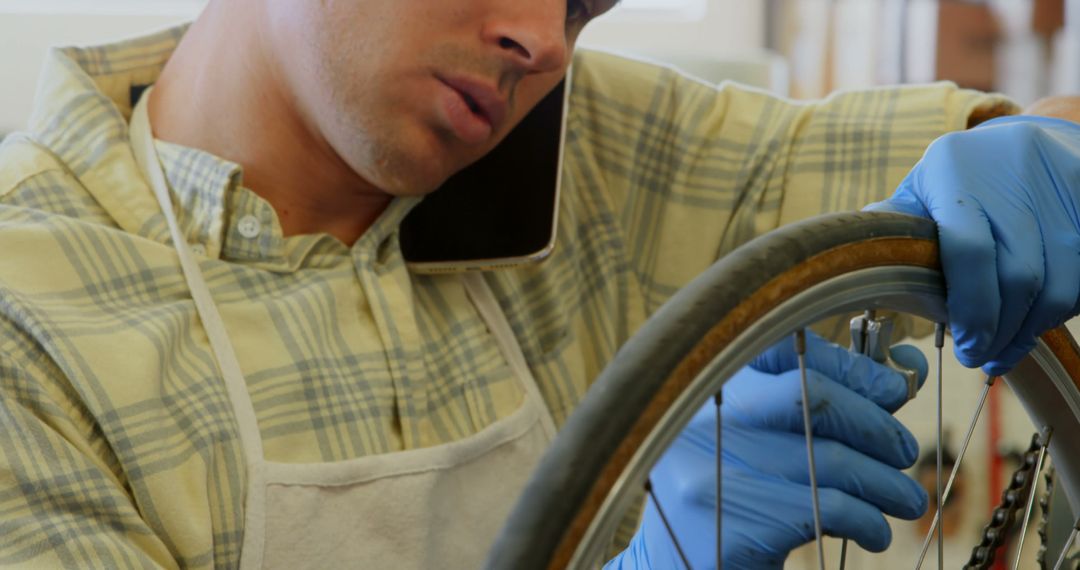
column 996, row 462
column 967, row 39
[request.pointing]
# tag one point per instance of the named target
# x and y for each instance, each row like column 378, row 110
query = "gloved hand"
column 1006, row 197
column 859, row 448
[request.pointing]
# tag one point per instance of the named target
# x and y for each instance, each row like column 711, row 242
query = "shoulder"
column 621, row 81
column 33, row 178
column 22, row 159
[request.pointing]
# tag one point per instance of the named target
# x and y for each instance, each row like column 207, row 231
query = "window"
column 186, row 8
column 681, row 9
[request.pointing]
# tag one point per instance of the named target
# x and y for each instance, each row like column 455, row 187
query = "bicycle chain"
column 1013, row 499
column 1044, row 504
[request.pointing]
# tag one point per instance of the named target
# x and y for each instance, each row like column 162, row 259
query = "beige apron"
column 438, row 507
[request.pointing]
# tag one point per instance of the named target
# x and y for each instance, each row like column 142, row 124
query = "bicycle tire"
column 657, row 365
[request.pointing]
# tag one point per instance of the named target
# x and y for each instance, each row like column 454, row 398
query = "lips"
column 476, row 98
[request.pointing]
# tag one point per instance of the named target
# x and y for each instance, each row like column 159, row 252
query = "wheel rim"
column 892, row 272
column 890, row 288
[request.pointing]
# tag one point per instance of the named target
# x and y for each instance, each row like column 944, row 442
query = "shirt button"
column 249, row 227
column 198, row 249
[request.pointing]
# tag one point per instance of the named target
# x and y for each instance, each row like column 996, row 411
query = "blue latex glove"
column 859, row 451
column 1005, row 196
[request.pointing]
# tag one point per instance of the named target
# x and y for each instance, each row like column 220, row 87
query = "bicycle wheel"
column 744, row 303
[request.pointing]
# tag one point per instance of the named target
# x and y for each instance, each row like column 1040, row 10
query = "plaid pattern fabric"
column 119, row 448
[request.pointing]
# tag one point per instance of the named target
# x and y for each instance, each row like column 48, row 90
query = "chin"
column 410, row 181
column 416, row 162
column 419, row 175
column 403, row 174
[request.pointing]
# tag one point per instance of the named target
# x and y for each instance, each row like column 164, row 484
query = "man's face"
column 408, row 92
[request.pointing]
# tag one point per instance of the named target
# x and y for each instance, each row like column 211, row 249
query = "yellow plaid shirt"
column 118, row 447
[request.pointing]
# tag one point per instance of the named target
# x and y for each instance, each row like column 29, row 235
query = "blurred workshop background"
column 1026, row 49
column 800, row 48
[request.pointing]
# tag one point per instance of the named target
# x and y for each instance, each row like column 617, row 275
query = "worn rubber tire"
column 655, row 366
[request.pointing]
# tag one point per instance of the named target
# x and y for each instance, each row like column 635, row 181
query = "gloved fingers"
column 758, row 513
column 1056, row 302
column 765, row 517
column 637, row 555
column 692, row 522
column 843, row 415
column 838, row 467
column 903, row 201
column 844, row 469
column 836, row 412
column 911, row 357
column 1021, row 269
column 881, row 384
column 969, row 260
column 781, row 356
column 844, row 516
column 821, row 355
column 887, row 489
column 996, row 193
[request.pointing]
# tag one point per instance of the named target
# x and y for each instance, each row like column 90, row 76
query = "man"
column 286, row 393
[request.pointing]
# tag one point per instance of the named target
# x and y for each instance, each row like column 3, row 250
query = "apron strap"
column 480, row 293
column 146, row 157
column 142, row 144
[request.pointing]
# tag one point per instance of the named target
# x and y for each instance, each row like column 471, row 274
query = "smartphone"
column 501, row 211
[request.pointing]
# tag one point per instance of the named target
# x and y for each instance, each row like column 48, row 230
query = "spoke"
column 800, row 348
column 667, row 525
column 859, row 346
column 719, row 400
column 956, row 468
column 1031, row 496
column 939, row 342
column 1068, row 544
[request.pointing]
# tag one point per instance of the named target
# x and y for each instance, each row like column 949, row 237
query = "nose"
column 531, row 33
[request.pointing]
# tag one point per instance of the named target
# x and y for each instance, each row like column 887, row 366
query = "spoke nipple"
column 800, row 342
column 939, row 335
column 1044, row 438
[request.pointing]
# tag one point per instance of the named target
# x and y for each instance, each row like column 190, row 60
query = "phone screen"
column 502, row 207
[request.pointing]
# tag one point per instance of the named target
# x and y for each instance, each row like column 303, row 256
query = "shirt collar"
column 200, row 184
column 82, row 108
column 229, row 221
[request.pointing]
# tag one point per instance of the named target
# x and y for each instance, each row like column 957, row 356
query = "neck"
column 220, row 93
